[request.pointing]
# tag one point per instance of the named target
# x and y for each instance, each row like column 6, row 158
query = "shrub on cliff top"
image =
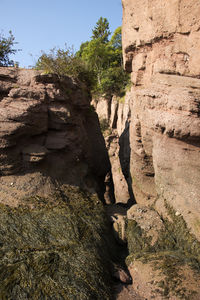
column 64, row 62
column 6, row 49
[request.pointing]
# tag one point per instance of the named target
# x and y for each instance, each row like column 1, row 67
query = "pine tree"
column 101, row 30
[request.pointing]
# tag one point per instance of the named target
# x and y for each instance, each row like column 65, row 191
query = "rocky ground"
column 162, row 257
column 127, row 293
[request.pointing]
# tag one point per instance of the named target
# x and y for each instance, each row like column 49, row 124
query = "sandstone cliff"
column 161, row 41
column 48, row 133
column 114, row 116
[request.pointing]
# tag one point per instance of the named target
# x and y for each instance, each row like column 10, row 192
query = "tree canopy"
column 6, row 49
column 98, row 62
column 101, row 30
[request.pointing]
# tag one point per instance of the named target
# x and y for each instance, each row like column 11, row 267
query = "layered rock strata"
column 161, row 43
column 48, row 133
column 114, row 115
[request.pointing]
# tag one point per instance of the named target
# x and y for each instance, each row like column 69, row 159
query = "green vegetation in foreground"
column 55, row 249
column 98, row 63
column 175, row 247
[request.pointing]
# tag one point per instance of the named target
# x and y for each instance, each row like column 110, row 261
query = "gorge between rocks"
column 99, row 198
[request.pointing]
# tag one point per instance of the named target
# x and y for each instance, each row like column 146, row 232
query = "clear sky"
column 43, row 24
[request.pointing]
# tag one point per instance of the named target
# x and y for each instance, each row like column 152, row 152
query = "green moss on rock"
column 175, row 247
column 55, row 249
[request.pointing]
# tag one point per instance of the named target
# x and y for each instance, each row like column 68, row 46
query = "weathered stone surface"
column 45, row 135
column 148, row 220
column 161, row 42
column 122, row 276
column 102, row 107
column 34, row 153
column 124, row 113
column 114, row 114
column 120, row 184
column 161, row 254
column 150, row 282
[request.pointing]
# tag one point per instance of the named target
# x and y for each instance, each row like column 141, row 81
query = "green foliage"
column 6, row 49
column 58, row 248
column 114, row 81
column 104, row 59
column 98, row 62
column 82, row 47
column 95, row 55
column 101, row 30
column 64, row 62
column 116, row 39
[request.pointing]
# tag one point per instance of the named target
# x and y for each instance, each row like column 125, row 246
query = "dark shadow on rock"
column 124, row 156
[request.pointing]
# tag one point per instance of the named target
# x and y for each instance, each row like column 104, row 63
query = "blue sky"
column 43, row 24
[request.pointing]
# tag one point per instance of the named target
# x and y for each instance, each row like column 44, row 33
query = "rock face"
column 161, row 41
column 48, row 133
column 54, row 237
column 114, row 116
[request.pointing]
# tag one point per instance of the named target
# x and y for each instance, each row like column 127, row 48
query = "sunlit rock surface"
column 161, row 43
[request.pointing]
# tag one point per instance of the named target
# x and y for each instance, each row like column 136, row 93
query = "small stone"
column 177, row 213
column 123, row 276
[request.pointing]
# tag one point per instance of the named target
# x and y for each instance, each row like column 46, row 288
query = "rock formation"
column 161, row 41
column 54, row 235
column 114, row 116
column 48, row 133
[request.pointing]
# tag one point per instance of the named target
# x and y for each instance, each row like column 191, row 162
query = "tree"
column 104, row 59
column 6, row 49
column 114, row 81
column 98, row 62
column 82, row 47
column 96, row 56
column 101, row 30
column 116, row 39
column 116, row 44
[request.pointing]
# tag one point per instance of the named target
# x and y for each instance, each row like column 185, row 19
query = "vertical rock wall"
column 48, row 134
column 161, row 42
column 114, row 115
